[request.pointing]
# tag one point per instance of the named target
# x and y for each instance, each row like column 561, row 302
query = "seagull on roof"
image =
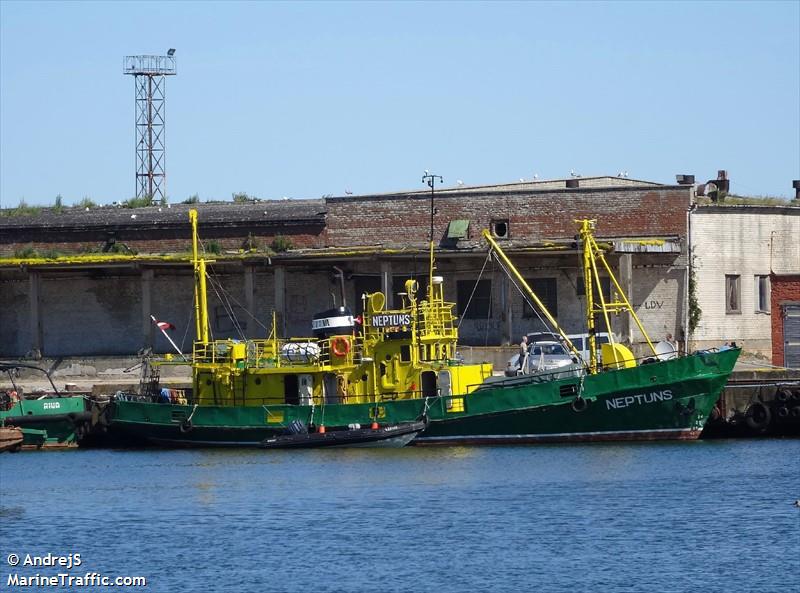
column 348, row 192
column 535, row 176
column 573, row 173
column 459, row 182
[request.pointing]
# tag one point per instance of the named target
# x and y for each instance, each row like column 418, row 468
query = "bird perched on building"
column 348, row 192
column 459, row 182
column 573, row 173
column 535, row 176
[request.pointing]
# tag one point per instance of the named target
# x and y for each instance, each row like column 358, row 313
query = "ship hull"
column 50, row 422
column 669, row 400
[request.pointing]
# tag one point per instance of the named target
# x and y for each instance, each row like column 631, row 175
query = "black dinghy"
column 390, row 435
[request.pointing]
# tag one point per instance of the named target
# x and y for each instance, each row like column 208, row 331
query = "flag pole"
column 174, row 345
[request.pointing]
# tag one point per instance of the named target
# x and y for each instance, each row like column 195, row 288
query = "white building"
column 735, row 248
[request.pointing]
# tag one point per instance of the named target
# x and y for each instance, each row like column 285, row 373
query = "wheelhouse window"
column 733, row 295
column 762, row 294
column 547, row 291
column 477, row 305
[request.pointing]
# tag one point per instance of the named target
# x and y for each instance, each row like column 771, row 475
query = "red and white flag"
column 162, row 325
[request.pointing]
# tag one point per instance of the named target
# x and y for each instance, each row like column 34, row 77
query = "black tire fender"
column 715, row 414
column 579, row 404
column 186, row 426
column 758, row 416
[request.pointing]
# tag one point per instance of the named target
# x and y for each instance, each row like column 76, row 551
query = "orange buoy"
column 374, row 425
column 321, row 429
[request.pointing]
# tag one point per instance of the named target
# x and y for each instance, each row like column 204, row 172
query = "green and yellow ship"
column 401, row 365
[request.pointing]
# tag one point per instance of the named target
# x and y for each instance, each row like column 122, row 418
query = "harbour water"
column 696, row 516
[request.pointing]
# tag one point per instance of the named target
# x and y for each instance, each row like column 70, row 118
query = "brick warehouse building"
column 110, row 268
column 785, row 308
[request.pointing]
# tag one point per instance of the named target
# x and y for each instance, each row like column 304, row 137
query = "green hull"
column 48, row 422
column 663, row 400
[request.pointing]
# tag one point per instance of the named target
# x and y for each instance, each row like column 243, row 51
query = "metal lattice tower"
column 150, row 78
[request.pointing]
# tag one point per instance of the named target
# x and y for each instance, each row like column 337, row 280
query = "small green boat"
column 51, row 420
column 401, row 366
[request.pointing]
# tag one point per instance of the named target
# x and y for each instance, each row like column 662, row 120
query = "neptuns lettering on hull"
column 617, row 403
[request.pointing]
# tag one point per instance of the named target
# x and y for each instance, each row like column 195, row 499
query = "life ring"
column 340, row 346
column 579, row 404
column 758, row 416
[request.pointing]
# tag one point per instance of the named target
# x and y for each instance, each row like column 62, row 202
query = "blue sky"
column 306, row 99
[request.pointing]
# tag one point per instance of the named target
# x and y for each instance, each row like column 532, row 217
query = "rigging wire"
column 474, row 288
column 243, row 308
column 221, row 293
column 489, row 310
column 525, row 297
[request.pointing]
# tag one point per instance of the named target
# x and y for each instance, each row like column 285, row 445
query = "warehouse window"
column 762, row 294
column 480, row 306
column 732, row 293
column 547, row 291
column 500, row 229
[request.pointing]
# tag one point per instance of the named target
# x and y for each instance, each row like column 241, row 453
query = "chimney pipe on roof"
column 685, row 179
column 796, row 186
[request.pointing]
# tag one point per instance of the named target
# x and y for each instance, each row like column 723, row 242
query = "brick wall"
column 399, row 220
column 784, row 288
column 154, row 239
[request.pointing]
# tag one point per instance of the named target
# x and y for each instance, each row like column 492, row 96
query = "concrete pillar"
column 506, row 300
column 37, row 335
column 280, row 298
column 250, row 299
column 386, row 283
column 147, row 308
column 625, row 278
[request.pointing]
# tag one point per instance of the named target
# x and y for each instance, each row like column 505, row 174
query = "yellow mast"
column 591, row 278
column 510, row 267
column 200, row 301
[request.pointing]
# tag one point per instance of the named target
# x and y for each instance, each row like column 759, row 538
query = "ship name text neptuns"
column 640, row 398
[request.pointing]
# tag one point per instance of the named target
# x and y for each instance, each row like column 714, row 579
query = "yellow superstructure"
column 403, row 353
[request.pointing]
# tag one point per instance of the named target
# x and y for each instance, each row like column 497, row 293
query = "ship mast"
column 200, row 301
column 591, row 254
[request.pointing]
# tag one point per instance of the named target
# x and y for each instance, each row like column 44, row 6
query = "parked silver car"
column 542, row 357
